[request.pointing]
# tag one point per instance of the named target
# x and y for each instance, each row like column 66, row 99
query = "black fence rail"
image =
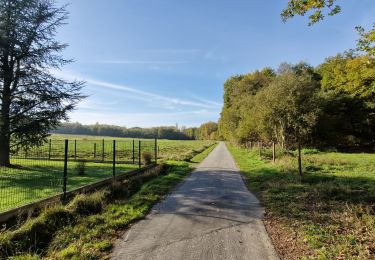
column 59, row 166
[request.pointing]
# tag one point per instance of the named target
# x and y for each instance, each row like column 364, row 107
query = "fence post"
column 133, row 153
column 65, row 176
column 103, row 150
column 260, row 148
column 273, row 152
column 251, row 146
column 299, row 160
column 139, row 154
column 75, row 150
column 94, row 151
column 156, row 150
column 114, row 159
column 49, row 149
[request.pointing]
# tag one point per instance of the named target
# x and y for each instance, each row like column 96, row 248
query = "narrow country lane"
column 211, row 215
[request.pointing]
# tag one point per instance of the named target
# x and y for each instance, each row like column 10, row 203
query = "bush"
column 35, row 233
column 146, row 158
column 135, row 183
column 81, row 167
column 88, row 204
column 118, row 190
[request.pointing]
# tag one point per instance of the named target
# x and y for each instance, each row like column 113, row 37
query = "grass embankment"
column 87, row 227
column 329, row 213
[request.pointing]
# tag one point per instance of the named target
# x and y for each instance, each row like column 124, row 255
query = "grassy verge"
column 199, row 157
column 87, row 227
column 329, row 213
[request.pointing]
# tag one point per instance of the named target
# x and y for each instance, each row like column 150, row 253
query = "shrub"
column 134, row 184
column 81, row 167
column 35, row 233
column 147, row 158
column 88, row 204
column 118, row 190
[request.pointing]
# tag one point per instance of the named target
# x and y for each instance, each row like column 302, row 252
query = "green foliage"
column 349, row 74
column 28, row 51
column 331, row 106
column 81, row 167
column 287, row 110
column 238, row 97
column 317, row 8
column 146, row 158
column 208, row 131
column 163, row 132
column 366, row 42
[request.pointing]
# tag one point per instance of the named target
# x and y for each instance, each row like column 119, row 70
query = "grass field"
column 329, row 213
column 87, row 227
column 178, row 150
column 36, row 177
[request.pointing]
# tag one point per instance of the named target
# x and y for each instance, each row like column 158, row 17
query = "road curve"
column 211, row 215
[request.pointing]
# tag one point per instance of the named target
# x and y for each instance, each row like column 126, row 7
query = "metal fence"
column 63, row 165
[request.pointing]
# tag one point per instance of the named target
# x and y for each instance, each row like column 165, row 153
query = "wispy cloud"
column 212, row 54
column 156, row 99
column 172, row 51
column 141, row 62
column 190, row 118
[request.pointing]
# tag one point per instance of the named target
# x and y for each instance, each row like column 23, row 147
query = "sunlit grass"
column 34, row 180
column 331, row 208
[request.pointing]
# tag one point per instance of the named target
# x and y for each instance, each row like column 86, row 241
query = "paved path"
column 211, row 215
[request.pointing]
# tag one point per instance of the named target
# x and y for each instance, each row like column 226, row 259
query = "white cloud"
column 159, row 100
column 187, row 118
column 141, row 62
column 172, row 51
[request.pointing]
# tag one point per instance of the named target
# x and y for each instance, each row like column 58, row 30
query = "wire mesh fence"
column 62, row 165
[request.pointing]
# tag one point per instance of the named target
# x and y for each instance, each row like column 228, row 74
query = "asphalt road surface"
column 211, row 215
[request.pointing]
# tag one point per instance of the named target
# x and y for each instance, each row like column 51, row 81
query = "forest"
column 206, row 131
column 330, row 106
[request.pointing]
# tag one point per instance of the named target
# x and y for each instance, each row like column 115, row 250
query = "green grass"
column 92, row 237
column 89, row 224
column 178, row 150
column 200, row 156
column 329, row 212
column 37, row 177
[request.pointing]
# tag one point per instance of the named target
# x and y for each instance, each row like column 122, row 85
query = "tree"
column 207, row 131
column 348, row 90
column 33, row 100
column 366, row 42
column 238, row 91
column 288, row 109
column 319, row 9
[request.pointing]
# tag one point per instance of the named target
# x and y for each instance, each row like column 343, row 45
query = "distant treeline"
column 328, row 106
column 205, row 131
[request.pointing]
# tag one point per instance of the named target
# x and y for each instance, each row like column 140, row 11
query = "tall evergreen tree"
column 33, row 99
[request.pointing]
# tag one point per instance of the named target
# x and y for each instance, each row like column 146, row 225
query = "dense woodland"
column 328, row 106
column 206, row 131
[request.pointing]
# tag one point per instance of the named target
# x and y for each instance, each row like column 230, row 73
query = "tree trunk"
column 5, row 127
column 299, row 160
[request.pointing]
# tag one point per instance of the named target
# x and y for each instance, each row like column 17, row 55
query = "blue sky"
column 162, row 62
